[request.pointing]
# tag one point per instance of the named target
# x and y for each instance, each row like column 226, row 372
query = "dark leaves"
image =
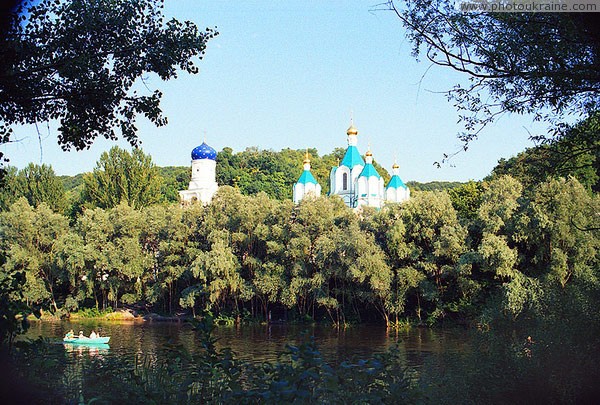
column 79, row 62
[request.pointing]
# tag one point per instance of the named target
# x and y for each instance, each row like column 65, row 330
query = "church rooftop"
column 396, row 182
column 307, row 177
column 369, row 171
column 352, row 158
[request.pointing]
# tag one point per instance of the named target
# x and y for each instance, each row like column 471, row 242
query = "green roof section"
column 352, row 158
column 396, row 182
column 369, row 171
column 307, row 177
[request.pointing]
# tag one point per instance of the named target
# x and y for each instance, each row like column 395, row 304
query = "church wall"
column 203, row 173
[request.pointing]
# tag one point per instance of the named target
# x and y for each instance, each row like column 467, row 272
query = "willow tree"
column 435, row 240
column 389, row 232
column 166, row 239
column 28, row 238
column 496, row 254
column 561, row 233
column 218, row 272
column 311, row 234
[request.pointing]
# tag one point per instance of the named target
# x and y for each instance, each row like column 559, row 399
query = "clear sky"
column 288, row 74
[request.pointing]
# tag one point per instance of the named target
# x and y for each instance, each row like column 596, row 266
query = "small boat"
column 86, row 340
column 92, row 349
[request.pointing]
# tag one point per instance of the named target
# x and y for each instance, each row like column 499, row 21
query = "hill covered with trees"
column 251, row 171
column 515, row 246
column 480, row 253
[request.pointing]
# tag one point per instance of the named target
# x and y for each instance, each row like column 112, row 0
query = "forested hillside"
column 251, row 171
column 475, row 252
column 254, row 170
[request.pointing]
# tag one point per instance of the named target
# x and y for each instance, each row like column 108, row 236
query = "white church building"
column 203, row 184
column 357, row 181
column 354, row 179
column 306, row 184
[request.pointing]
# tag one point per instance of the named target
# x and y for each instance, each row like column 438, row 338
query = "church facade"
column 203, row 184
column 357, row 181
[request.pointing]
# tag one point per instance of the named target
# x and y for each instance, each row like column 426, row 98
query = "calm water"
column 259, row 342
column 446, row 365
column 144, row 343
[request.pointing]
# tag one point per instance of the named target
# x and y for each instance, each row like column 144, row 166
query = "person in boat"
column 70, row 334
column 81, row 336
column 93, row 335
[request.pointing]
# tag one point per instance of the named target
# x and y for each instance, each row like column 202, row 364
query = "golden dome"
column 369, row 153
column 352, row 130
column 306, row 159
column 395, row 166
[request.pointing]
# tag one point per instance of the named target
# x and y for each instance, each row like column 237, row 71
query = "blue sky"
column 288, row 74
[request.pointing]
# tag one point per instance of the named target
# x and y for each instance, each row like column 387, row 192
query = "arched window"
column 345, row 181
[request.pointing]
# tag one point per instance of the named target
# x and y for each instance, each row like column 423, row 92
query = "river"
column 261, row 342
column 451, row 365
column 80, row 373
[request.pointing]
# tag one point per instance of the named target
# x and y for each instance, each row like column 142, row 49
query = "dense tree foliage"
column 80, row 62
column 38, row 184
column 501, row 254
column 275, row 173
column 466, row 199
column 474, row 252
column 121, row 176
column 251, row 171
column 577, row 154
column 432, row 185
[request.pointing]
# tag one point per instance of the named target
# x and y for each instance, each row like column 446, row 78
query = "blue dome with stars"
column 204, row 152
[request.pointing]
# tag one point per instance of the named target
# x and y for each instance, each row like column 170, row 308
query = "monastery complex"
column 355, row 179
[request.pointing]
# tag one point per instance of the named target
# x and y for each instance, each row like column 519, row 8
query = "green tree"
column 309, row 242
column 543, row 64
column 121, row 176
column 72, row 255
column 80, row 62
column 560, row 227
column 576, row 153
column 466, row 199
column 174, row 180
column 116, row 261
column 39, row 184
column 389, row 231
column 8, row 187
column 219, row 270
column 29, row 238
column 435, row 240
column 167, row 237
column 36, row 183
column 494, row 258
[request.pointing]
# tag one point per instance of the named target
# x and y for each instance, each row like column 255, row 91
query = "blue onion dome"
column 204, row 152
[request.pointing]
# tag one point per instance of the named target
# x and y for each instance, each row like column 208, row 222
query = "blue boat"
column 86, row 340
column 92, row 349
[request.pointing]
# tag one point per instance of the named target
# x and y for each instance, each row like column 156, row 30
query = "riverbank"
column 121, row 314
column 128, row 314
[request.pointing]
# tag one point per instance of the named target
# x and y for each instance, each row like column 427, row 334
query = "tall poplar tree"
column 121, row 176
